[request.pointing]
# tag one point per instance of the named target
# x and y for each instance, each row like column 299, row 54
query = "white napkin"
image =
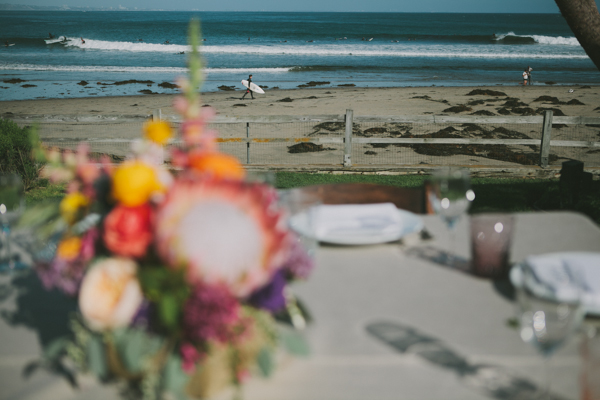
column 563, row 275
column 356, row 219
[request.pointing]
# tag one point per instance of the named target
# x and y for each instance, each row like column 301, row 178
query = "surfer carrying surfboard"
column 248, row 88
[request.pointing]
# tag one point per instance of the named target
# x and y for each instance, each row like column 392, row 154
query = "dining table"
column 389, row 321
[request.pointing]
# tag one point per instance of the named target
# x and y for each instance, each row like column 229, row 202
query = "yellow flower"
column 69, row 248
column 133, row 183
column 158, row 132
column 70, row 205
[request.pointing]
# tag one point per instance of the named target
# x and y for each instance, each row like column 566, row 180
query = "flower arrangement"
column 180, row 279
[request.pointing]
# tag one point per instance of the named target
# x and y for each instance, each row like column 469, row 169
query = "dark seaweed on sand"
column 14, row 80
column 497, row 152
column 307, row 147
column 168, row 85
column 133, row 81
column 457, row 109
column 485, row 92
column 483, row 112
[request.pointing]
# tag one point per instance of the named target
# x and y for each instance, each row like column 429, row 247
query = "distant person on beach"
column 82, row 41
column 248, row 88
column 525, row 77
column 529, row 69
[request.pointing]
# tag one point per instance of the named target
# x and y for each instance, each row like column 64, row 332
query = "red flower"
column 128, row 230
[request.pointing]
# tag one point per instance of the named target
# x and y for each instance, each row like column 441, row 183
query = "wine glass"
column 11, row 205
column 547, row 322
column 450, row 196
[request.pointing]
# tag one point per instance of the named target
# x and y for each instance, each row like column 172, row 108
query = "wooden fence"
column 547, row 120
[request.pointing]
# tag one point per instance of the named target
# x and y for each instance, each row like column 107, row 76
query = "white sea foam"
column 370, row 50
column 569, row 41
column 362, row 50
column 553, row 40
column 427, row 51
column 78, row 68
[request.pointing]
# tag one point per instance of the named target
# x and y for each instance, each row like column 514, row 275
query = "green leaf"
column 30, row 368
column 135, row 346
column 294, row 342
column 56, row 348
column 169, row 311
column 96, row 356
column 265, row 362
column 174, row 378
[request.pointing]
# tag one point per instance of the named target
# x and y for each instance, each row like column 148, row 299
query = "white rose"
column 110, row 294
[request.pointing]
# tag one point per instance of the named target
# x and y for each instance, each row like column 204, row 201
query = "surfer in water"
column 6, row 43
column 82, row 41
column 248, row 88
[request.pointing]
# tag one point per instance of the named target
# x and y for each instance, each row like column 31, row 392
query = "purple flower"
column 270, row 297
column 65, row 275
column 141, row 319
column 210, row 313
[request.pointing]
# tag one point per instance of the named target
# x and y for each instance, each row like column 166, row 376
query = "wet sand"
column 329, row 100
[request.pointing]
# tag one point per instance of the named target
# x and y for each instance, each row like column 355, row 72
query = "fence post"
column 156, row 116
column 248, row 143
column 546, row 134
column 348, row 139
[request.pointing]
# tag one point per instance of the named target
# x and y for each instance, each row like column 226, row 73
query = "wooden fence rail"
column 348, row 120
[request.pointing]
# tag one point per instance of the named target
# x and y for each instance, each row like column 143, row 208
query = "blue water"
column 284, row 50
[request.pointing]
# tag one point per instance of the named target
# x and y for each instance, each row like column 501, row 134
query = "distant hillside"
column 22, row 7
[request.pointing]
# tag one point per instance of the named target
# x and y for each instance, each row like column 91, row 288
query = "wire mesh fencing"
column 375, row 141
column 502, row 153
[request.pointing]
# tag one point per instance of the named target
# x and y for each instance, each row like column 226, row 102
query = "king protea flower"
column 228, row 233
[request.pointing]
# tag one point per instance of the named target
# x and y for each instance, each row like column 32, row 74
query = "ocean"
column 282, row 50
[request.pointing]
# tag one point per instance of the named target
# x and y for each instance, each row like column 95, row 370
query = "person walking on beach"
column 248, row 88
column 525, row 77
column 529, row 69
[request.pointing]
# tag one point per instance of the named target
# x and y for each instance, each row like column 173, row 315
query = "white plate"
column 404, row 223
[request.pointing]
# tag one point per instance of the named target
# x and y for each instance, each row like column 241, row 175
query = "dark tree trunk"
column 584, row 20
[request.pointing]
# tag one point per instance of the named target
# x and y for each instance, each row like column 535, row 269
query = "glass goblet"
column 450, row 196
column 11, row 206
column 546, row 322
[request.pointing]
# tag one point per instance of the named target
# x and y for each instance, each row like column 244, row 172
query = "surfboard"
column 253, row 86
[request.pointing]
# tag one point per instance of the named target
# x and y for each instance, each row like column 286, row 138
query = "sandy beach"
column 106, row 122
column 328, row 100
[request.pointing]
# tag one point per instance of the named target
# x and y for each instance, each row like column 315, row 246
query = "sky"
column 459, row 6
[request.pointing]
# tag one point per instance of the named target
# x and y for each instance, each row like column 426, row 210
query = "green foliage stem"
column 17, row 147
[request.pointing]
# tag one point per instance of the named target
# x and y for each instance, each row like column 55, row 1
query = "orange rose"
column 128, row 230
column 218, row 165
